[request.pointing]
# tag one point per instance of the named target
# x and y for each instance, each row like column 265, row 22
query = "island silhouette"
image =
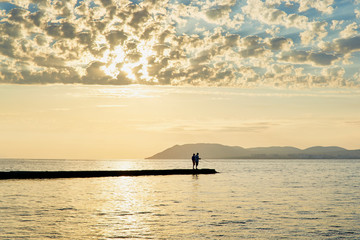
column 219, row 151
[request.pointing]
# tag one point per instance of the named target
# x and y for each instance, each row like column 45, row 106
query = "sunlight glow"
column 131, row 92
column 117, row 61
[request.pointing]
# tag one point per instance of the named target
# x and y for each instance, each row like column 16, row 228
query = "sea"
column 247, row 199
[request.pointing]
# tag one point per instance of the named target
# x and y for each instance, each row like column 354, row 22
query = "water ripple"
column 250, row 199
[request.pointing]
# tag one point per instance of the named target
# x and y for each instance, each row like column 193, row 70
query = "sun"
column 112, row 58
column 116, row 61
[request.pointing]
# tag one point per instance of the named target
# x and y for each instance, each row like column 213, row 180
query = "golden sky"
column 126, row 79
column 137, row 121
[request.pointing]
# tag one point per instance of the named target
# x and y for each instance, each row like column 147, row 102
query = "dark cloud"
column 41, row 40
column 122, row 78
column 344, row 45
column 254, row 47
column 304, row 57
column 204, row 56
column 95, row 75
column 177, row 55
column 106, row 3
column 279, row 43
column 37, row 18
column 111, row 11
column 156, row 66
column 139, row 18
column 68, row 30
column 149, row 31
column 51, row 75
column 218, row 12
column 322, row 59
column 53, row 30
column 17, row 15
column 159, row 48
column 49, row 61
column 61, row 30
column 132, row 45
column 40, row 76
column 7, row 47
column 116, row 37
column 11, row 29
column 62, row 9
column 164, row 35
column 27, row 48
column 85, row 38
column 232, row 40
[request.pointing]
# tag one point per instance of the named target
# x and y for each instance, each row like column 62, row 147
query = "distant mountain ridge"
column 218, row 151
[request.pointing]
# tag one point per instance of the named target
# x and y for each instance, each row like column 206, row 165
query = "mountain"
column 207, row 150
column 218, row 151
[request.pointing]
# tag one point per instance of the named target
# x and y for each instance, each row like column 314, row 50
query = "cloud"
column 324, row 6
column 335, row 24
column 316, row 31
column 357, row 13
column 286, row 75
column 268, row 14
column 208, row 126
column 95, row 75
column 17, row 15
column 49, row 61
column 7, row 47
column 350, row 30
column 343, row 45
column 301, row 57
column 280, row 43
column 218, row 12
column 139, row 18
column 116, row 37
column 12, row 30
column 334, row 72
column 171, row 43
column 68, row 30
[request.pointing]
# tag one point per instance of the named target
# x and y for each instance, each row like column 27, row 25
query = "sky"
column 127, row 79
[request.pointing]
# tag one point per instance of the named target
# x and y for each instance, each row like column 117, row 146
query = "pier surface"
column 90, row 174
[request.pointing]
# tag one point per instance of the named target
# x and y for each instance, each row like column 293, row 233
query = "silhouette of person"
column 197, row 158
column 193, row 159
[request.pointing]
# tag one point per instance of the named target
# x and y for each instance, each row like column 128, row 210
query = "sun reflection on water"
column 126, row 207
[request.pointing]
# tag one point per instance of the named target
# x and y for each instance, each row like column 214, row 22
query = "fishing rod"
column 201, row 159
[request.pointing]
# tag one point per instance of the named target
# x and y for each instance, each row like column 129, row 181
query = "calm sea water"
column 248, row 199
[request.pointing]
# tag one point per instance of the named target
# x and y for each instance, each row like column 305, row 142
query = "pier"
column 92, row 174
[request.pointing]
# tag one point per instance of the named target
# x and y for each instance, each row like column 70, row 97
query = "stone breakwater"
column 90, row 174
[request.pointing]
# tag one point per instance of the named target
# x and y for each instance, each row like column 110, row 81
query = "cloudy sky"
column 141, row 76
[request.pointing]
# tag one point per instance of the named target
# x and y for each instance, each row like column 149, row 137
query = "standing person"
column 197, row 158
column 193, row 159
